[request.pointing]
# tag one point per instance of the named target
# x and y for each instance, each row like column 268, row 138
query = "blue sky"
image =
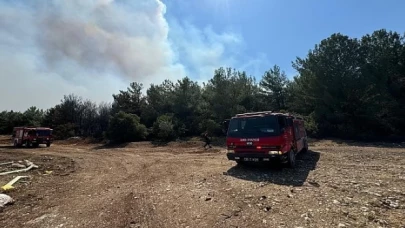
column 278, row 31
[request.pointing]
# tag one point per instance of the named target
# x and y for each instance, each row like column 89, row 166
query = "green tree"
column 217, row 94
column 103, row 119
column 350, row 87
column 385, row 71
column 77, row 117
column 34, row 116
column 187, row 100
column 273, row 86
column 11, row 119
column 229, row 92
column 130, row 101
column 328, row 84
column 159, row 101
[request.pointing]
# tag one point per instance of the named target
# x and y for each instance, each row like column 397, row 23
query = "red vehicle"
column 32, row 136
column 266, row 136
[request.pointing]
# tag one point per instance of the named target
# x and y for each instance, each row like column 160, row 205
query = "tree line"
column 345, row 87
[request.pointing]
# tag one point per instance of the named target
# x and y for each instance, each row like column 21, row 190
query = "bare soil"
column 336, row 184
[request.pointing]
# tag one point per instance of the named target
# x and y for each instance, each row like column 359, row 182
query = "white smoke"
column 94, row 48
column 106, row 36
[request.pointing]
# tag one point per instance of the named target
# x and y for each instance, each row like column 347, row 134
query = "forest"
column 349, row 88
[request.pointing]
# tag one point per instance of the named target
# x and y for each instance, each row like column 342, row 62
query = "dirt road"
column 180, row 185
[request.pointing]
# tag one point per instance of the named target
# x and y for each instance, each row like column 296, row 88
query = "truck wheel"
column 290, row 159
column 48, row 144
column 28, row 144
column 15, row 144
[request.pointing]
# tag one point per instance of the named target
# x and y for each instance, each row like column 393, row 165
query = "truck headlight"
column 274, row 152
column 231, row 151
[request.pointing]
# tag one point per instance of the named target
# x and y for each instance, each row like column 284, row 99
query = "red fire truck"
column 266, row 136
column 32, row 136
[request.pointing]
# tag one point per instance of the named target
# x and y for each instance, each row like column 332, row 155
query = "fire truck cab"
column 266, row 136
column 32, row 136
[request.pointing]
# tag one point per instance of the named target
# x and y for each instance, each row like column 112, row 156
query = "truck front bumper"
column 41, row 141
column 255, row 157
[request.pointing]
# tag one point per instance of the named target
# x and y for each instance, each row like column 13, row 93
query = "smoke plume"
column 94, row 48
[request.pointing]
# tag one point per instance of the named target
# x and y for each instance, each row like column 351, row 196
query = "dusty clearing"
column 181, row 185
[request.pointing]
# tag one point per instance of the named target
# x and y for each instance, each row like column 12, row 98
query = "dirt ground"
column 336, row 184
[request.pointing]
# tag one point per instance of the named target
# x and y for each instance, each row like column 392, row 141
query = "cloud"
column 93, row 48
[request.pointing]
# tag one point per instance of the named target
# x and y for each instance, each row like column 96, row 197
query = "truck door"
column 299, row 135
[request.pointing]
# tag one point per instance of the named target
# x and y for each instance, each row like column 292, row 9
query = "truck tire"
column 290, row 159
column 48, row 144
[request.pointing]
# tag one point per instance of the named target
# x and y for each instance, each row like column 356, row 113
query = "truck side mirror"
column 225, row 125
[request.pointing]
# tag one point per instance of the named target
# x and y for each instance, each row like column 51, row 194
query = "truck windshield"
column 253, row 127
column 43, row 132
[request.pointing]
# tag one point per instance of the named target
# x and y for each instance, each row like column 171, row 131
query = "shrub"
column 163, row 128
column 126, row 127
column 64, row 131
